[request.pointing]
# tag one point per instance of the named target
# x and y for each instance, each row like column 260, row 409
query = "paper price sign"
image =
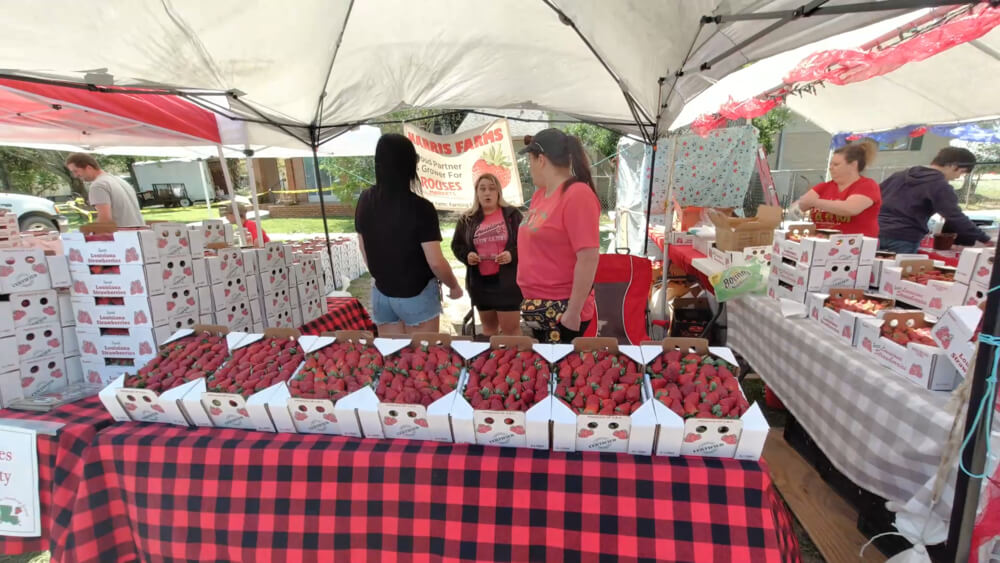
column 19, row 506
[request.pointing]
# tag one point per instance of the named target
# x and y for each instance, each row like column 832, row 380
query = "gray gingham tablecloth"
column 881, row 431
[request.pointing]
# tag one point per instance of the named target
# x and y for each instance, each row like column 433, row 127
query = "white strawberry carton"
column 123, row 246
column 527, row 429
column 312, row 309
column 173, row 239
column 10, row 387
column 975, row 266
column 230, row 292
column 843, row 324
column 402, row 420
column 273, row 254
column 956, row 334
column 308, row 290
column 138, row 344
column 237, row 314
column 274, row 278
column 743, row 257
column 212, row 231
column 305, row 268
column 678, row 238
column 741, row 438
column 704, row 240
column 227, row 264
column 232, row 410
column 277, row 300
column 101, row 370
column 143, row 405
column 887, row 259
column 778, row 289
column 827, row 247
column 822, row 277
column 28, row 308
column 250, row 260
column 178, row 272
column 934, row 297
column 323, row 416
column 66, row 314
column 37, row 342
column 23, row 269
column 976, row 294
column 923, row 365
column 139, row 312
column 70, row 344
column 281, row 319
column 9, row 360
column 43, row 375
column 205, row 304
column 635, row 433
column 58, row 265
column 117, row 281
column 200, row 272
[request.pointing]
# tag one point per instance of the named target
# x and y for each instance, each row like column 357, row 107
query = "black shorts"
column 493, row 301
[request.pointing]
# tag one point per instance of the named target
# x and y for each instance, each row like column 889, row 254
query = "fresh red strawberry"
column 257, row 366
column 599, row 382
column 335, row 371
column 409, row 375
column 181, row 361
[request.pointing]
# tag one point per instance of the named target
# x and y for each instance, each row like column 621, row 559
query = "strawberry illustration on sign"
column 493, row 161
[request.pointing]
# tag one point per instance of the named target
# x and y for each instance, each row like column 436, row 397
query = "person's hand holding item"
column 473, row 259
column 570, row 319
column 504, row 257
column 455, row 292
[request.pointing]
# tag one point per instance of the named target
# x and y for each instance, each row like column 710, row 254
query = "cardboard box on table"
column 313, row 309
column 887, row 259
column 975, row 266
column 926, row 366
column 935, row 297
column 272, row 255
column 225, row 265
column 231, row 410
column 734, row 233
column 308, row 290
column 274, row 278
column 143, row 405
column 323, row 416
column 124, row 247
column 842, row 324
column 174, row 239
column 704, row 241
column 43, row 375
column 28, row 308
column 131, row 280
column 741, row 438
column 212, row 231
column 230, row 292
column 634, row 433
column 820, row 278
column 956, row 334
column 236, row 315
column 976, row 294
column 138, row 312
column 822, row 247
column 36, row 342
column 741, row 257
column 527, row 429
column 305, row 268
column 682, row 239
column 23, row 269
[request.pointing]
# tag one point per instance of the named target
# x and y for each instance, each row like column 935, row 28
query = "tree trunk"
column 4, row 177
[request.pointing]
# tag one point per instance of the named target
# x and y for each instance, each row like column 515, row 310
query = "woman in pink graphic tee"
column 486, row 242
column 559, row 240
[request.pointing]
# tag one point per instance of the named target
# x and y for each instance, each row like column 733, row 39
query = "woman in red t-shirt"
column 559, row 240
column 849, row 202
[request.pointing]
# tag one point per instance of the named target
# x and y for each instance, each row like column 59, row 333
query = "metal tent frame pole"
column 322, row 201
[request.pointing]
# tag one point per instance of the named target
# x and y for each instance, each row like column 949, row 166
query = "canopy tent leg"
column 229, row 186
column 322, row 206
column 669, row 220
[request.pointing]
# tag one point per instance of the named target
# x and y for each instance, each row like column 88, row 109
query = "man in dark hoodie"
column 912, row 196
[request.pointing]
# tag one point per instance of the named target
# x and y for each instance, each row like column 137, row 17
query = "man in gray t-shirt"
column 114, row 199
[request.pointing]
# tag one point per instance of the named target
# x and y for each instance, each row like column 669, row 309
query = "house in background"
column 802, row 153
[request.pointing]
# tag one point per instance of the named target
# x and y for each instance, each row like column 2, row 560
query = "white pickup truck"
column 34, row 213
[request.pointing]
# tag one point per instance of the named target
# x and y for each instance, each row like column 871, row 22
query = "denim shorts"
column 411, row 311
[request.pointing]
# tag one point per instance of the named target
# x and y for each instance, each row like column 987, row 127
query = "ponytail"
column 863, row 153
column 579, row 163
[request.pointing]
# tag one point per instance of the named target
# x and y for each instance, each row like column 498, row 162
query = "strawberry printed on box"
column 117, row 281
column 842, row 309
column 154, row 392
column 505, row 398
column 922, row 284
column 173, row 239
column 28, row 308
column 272, row 255
column 585, row 420
column 274, row 278
column 225, row 264
column 43, row 375
column 278, row 300
column 230, row 292
column 305, row 268
column 37, row 342
column 338, row 374
column 822, row 277
column 23, row 269
column 312, row 309
column 212, row 231
column 956, row 334
column 178, row 272
column 778, row 289
column 135, row 342
column 976, row 295
column 906, row 346
column 975, row 266
column 237, row 314
column 308, row 290
column 237, row 394
column 139, row 312
column 107, row 245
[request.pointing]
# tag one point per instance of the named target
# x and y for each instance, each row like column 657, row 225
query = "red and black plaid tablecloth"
column 157, row 493
column 343, row 313
column 60, row 466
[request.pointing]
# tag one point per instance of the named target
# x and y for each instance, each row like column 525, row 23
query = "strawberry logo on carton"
column 389, row 421
column 330, row 417
column 40, row 268
column 586, row 433
column 730, row 439
column 421, row 422
column 131, row 406
column 692, row 437
column 621, row 434
column 93, row 376
column 846, row 332
column 158, row 408
column 935, row 303
column 519, row 430
column 983, row 272
column 137, row 288
column 57, row 373
column 19, row 314
column 162, row 243
column 140, row 318
column 944, row 335
column 834, row 251
column 23, row 349
column 917, row 371
column 49, row 311
column 75, row 255
column 855, row 251
column 132, row 255
column 89, row 347
column 145, row 349
column 6, row 271
column 54, row 343
column 805, row 256
column 80, row 288
column 243, row 412
column 827, row 275
column 300, row 416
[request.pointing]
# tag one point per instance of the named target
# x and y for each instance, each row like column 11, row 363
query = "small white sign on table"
column 19, row 506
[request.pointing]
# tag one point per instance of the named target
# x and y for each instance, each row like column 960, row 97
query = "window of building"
column 903, row 144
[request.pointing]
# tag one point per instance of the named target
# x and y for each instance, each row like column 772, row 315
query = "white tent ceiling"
column 959, row 84
column 373, row 57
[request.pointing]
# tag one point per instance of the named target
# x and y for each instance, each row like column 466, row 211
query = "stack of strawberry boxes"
column 232, row 289
column 38, row 345
column 274, row 263
column 131, row 290
column 805, row 259
column 308, row 298
column 975, row 266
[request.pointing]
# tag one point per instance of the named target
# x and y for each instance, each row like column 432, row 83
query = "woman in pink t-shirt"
column 559, row 240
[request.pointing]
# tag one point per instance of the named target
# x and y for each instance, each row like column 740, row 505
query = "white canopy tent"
column 959, row 84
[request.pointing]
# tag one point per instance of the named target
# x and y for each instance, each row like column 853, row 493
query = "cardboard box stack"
column 308, row 298
column 274, row 291
column 232, row 288
column 131, row 289
column 903, row 342
column 38, row 346
column 807, row 260
column 975, row 266
column 842, row 310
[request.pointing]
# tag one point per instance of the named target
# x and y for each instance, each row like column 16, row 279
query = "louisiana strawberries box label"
column 113, row 248
column 138, row 344
column 117, row 281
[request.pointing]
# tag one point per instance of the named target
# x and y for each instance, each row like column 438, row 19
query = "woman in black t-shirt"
column 400, row 240
column 486, row 242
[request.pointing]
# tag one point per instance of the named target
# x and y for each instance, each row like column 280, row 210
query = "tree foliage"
column 35, row 172
column 597, row 140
